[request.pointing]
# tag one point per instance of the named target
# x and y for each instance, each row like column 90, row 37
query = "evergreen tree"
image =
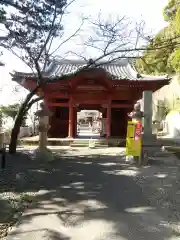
column 160, row 61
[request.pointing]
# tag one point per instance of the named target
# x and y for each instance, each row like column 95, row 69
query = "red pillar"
column 75, row 122
column 71, row 116
column 108, row 127
column 104, row 114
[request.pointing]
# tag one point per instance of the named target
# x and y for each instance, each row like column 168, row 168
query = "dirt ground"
column 24, row 178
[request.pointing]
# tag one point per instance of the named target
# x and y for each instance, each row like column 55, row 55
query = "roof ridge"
column 123, row 61
column 121, row 69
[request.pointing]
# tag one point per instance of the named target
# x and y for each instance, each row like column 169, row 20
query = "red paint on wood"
column 54, row 104
column 91, row 89
column 108, row 123
column 122, row 106
column 71, row 118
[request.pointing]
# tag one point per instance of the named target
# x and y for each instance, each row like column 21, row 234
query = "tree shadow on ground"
column 161, row 178
column 88, row 194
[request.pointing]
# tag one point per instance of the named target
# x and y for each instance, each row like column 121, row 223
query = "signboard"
column 130, row 129
column 138, row 131
column 133, row 139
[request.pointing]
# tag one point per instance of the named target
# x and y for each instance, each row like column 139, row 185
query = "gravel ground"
column 159, row 182
column 14, row 197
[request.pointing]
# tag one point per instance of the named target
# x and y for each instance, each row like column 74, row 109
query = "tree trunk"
column 18, row 122
column 15, row 132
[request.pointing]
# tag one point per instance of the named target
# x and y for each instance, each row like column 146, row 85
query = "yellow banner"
column 131, row 129
column 133, row 147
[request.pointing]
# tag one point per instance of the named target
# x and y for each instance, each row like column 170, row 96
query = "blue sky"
column 149, row 11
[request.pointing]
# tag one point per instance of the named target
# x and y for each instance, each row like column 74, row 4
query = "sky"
column 149, row 11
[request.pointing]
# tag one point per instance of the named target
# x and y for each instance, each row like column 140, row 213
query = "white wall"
column 173, row 124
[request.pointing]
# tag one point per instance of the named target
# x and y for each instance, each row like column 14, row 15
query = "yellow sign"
column 133, row 146
column 131, row 129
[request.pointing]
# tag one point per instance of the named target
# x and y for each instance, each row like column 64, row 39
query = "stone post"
column 103, row 122
column 108, row 121
column 43, row 129
column 42, row 152
column 103, row 127
column 1, row 131
column 147, row 107
column 150, row 145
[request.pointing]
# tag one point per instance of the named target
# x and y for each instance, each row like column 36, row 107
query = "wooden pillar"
column 75, row 122
column 108, row 127
column 103, row 122
column 104, row 114
column 71, row 118
column 51, row 119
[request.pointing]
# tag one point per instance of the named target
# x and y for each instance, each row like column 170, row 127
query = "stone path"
column 86, row 132
column 88, row 194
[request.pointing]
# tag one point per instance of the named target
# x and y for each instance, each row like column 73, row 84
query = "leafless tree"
column 31, row 30
column 115, row 38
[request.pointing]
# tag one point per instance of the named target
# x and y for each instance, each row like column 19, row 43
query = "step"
column 76, row 142
column 81, row 145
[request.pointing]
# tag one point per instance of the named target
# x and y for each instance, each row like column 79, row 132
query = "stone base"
column 150, row 139
column 151, row 147
column 44, row 155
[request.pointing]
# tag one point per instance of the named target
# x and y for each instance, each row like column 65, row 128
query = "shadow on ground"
column 92, row 194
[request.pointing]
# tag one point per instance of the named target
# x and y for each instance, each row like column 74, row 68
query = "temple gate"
column 112, row 89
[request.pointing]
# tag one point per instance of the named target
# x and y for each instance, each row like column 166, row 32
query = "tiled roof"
column 123, row 69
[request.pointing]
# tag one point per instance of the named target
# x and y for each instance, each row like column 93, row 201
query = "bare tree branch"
column 122, row 38
column 48, row 37
column 67, row 39
column 15, row 54
column 32, row 102
column 78, row 55
column 139, row 31
column 111, row 35
column 51, row 38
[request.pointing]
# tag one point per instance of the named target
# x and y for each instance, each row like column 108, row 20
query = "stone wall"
column 24, row 132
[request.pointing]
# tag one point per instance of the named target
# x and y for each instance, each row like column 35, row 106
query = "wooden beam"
column 55, row 95
column 90, row 101
column 121, row 105
column 90, row 104
column 54, row 104
column 94, row 99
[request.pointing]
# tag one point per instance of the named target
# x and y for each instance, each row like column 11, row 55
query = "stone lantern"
column 42, row 152
column 1, row 129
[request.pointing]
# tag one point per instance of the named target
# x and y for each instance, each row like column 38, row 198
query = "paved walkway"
column 86, row 132
column 89, row 194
